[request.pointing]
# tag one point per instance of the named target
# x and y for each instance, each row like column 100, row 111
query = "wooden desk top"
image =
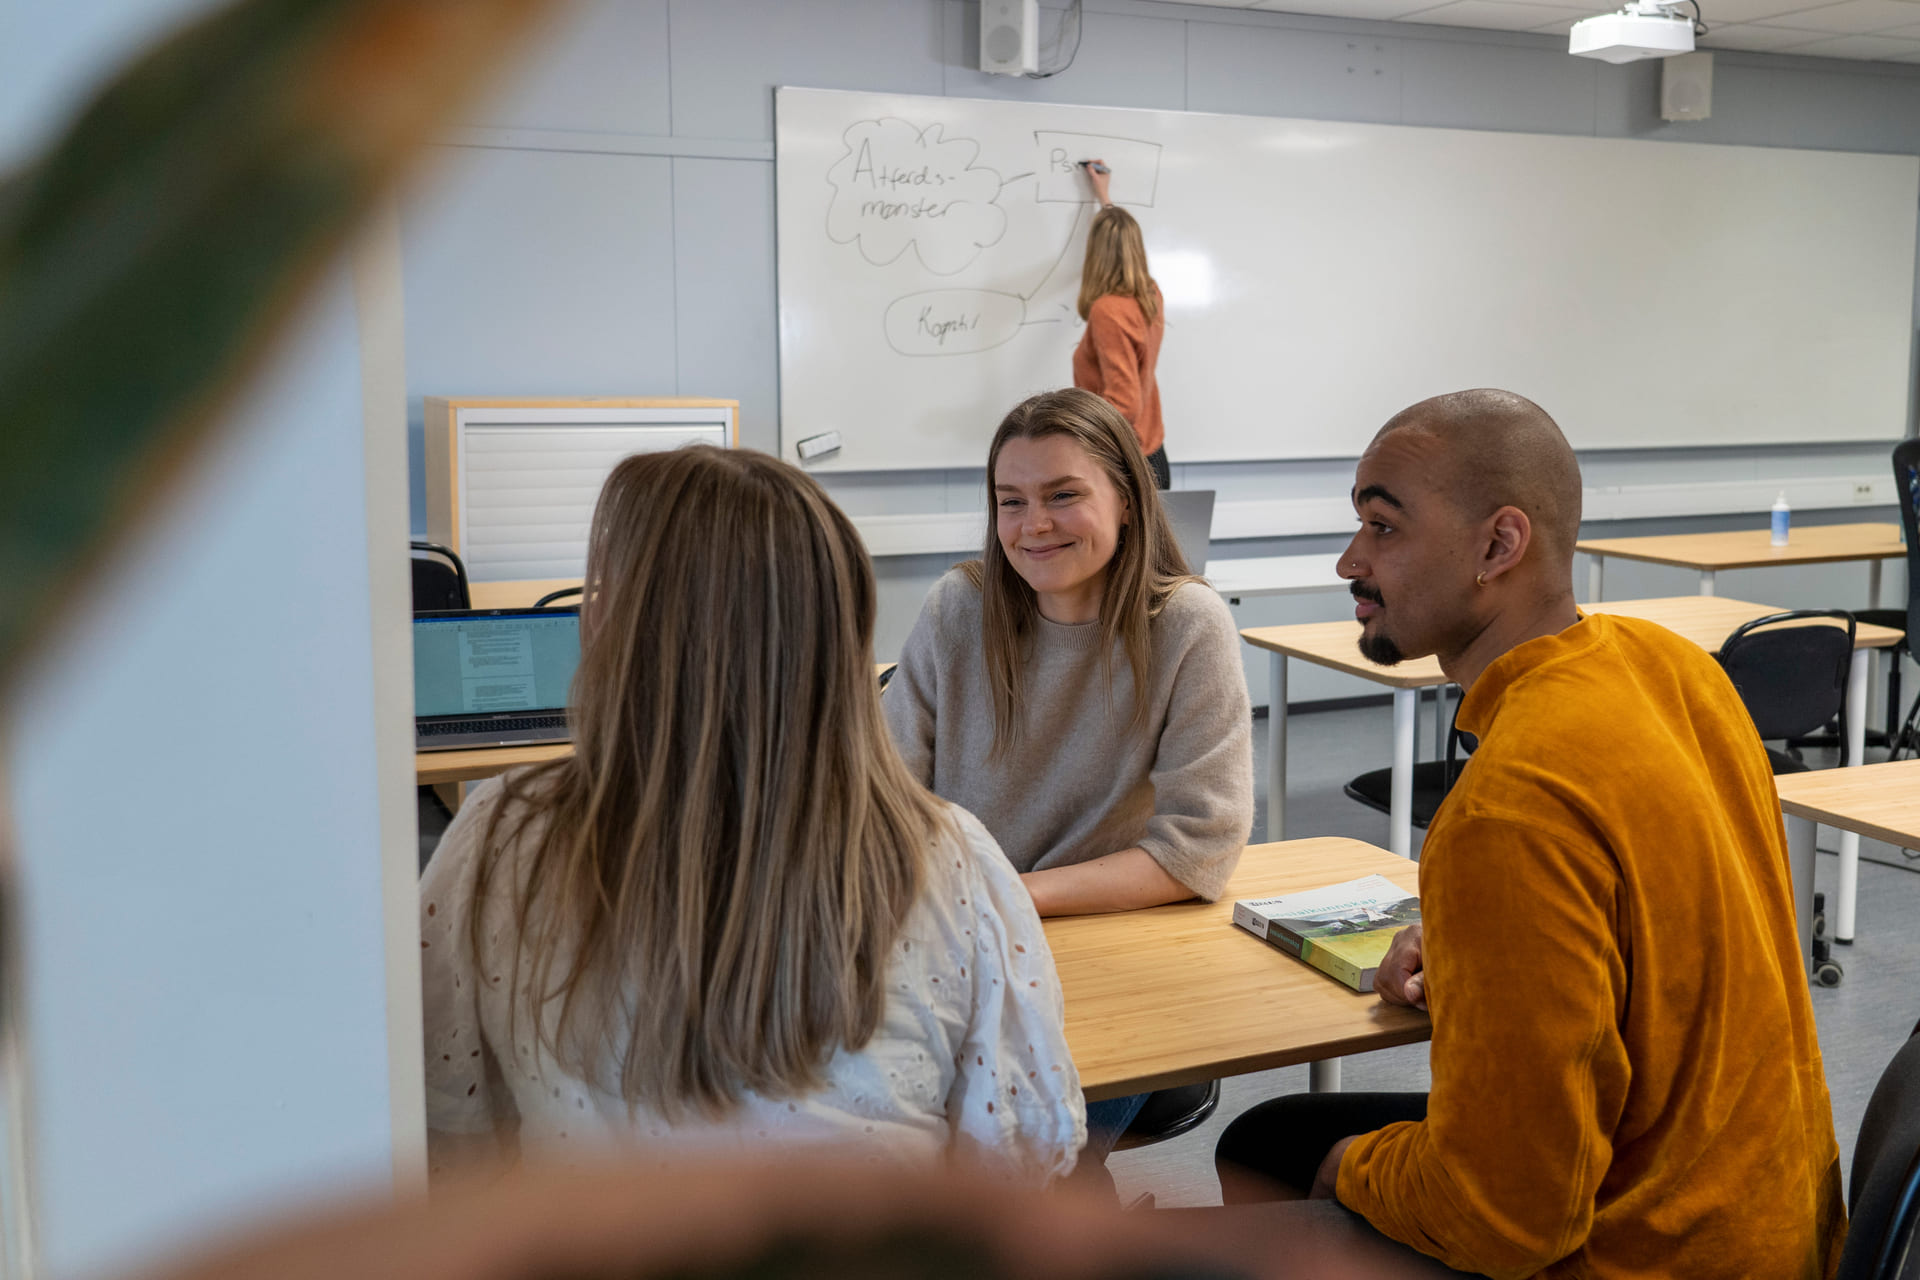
column 1877, row 800
column 515, row 595
column 1705, row 620
column 470, row 764
column 1175, row 995
column 1750, row 549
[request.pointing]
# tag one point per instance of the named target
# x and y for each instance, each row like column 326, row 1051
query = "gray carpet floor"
column 1861, row 1022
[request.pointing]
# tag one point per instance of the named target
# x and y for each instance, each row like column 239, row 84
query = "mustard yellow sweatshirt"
column 1626, row 1080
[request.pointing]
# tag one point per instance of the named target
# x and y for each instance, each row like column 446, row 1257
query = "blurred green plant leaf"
column 151, row 256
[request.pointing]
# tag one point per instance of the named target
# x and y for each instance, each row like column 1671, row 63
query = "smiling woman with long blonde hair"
column 733, row 917
column 1079, row 689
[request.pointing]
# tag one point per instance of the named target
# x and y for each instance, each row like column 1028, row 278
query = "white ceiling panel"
column 1853, row 17
column 1865, row 47
column 1887, row 30
column 1716, row 12
column 1377, row 10
column 1750, row 38
column 1493, row 15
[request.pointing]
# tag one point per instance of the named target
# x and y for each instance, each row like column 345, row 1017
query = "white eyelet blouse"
column 970, row 1058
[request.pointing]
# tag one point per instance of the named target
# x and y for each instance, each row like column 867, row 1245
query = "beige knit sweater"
column 1079, row 786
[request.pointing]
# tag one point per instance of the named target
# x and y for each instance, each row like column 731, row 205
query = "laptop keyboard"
column 491, row 725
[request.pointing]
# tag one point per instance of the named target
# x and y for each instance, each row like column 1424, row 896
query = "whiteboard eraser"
column 818, row 446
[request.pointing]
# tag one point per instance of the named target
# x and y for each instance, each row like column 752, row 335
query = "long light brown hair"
column 1117, row 263
column 1146, row 568
column 717, row 875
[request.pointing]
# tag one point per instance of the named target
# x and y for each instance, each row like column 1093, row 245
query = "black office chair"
column 564, row 593
column 1906, row 483
column 1168, row 1113
column 1792, row 678
column 1883, row 1195
column 1905, row 739
column 1432, row 779
column 438, row 583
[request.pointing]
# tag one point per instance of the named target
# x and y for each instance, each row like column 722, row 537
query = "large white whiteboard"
column 1319, row 276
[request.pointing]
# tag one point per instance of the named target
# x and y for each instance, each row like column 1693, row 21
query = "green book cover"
column 1343, row 930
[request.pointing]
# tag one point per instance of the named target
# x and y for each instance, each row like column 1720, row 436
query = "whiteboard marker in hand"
column 1097, row 174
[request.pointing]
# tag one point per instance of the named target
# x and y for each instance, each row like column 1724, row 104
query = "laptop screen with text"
column 481, row 663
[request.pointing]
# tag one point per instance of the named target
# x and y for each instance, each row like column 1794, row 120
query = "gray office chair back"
column 1883, row 1194
column 1792, row 678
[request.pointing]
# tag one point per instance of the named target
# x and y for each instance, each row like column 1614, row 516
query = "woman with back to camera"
column 1077, row 688
column 733, row 919
column 1126, row 318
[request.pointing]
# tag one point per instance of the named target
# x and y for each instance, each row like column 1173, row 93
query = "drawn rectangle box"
column 1135, row 165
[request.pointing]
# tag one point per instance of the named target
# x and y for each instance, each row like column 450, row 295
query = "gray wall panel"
column 1278, row 71
column 538, row 273
column 1470, row 85
column 724, row 290
column 601, row 69
column 727, row 56
column 1123, row 61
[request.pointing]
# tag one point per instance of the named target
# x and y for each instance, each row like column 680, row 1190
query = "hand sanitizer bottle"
column 1782, row 518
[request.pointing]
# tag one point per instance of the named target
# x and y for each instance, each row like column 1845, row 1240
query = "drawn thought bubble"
column 900, row 185
column 953, row 322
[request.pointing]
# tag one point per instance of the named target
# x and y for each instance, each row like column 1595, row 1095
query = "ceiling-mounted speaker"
column 1686, row 87
column 1010, row 37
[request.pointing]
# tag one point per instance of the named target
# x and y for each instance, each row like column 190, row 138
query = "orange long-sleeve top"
column 1116, row 359
column 1626, row 1080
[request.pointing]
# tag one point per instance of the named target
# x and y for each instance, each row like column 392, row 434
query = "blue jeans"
column 1106, row 1121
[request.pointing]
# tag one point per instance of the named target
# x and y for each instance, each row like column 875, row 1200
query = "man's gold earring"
column 1480, row 580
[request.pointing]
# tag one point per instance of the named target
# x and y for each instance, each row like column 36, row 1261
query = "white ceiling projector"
column 1644, row 29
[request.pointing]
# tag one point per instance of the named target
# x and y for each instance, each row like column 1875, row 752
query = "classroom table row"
column 1177, row 994
column 1705, row 620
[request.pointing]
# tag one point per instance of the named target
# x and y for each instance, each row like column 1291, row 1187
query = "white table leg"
column 1873, row 602
column 1406, row 710
column 1800, row 859
column 1440, row 724
column 1276, row 746
column 1596, row 577
column 1856, row 756
column 1706, row 582
column 1324, row 1077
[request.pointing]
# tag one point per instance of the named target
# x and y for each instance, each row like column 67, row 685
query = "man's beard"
column 1376, row 646
column 1379, row 647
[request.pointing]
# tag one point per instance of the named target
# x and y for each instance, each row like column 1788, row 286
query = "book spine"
column 1249, row 919
column 1337, row 966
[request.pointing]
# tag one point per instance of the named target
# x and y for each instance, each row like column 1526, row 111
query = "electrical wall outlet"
column 1863, row 491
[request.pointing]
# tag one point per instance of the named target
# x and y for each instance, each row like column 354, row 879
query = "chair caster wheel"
column 1819, row 924
column 1828, row 973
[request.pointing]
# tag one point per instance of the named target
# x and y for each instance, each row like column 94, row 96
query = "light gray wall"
column 194, row 777
column 613, row 234
column 200, row 844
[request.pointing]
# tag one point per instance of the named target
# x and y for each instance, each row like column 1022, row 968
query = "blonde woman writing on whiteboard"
column 733, row 920
column 1125, row 322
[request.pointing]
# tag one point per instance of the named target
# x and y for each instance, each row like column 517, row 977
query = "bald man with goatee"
column 1626, row 1081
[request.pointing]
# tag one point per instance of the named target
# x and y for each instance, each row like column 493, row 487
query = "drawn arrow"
column 1078, row 211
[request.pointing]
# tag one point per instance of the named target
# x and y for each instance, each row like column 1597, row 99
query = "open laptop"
column 492, row 677
column 1191, row 513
